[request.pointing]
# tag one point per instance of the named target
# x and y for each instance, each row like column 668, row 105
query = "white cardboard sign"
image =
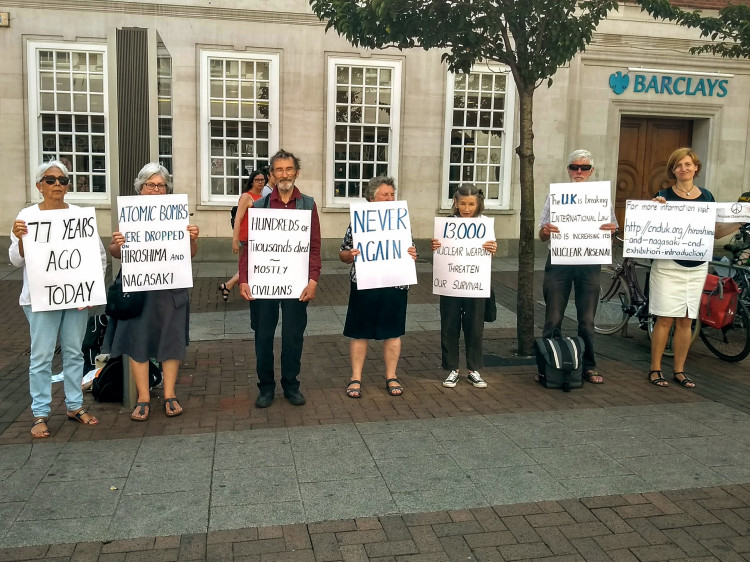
column 278, row 252
column 578, row 209
column 156, row 253
column 381, row 231
column 733, row 212
column 675, row 230
column 63, row 260
column 460, row 266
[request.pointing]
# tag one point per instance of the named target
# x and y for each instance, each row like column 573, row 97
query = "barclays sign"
column 668, row 85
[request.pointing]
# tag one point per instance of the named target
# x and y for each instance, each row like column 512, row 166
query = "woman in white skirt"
column 676, row 285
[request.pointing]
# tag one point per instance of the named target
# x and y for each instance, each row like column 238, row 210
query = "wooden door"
column 645, row 146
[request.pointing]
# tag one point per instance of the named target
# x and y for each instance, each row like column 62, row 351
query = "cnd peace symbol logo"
column 619, row 82
column 736, row 208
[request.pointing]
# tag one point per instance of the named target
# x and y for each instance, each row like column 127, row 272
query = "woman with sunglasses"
column 162, row 329
column 52, row 181
column 560, row 279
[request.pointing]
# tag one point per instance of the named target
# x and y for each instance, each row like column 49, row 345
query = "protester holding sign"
column 52, row 181
column 455, row 312
column 285, row 169
column 560, row 279
column 161, row 330
column 675, row 286
column 378, row 314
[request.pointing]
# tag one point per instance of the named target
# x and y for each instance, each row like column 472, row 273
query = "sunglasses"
column 50, row 180
column 582, row 167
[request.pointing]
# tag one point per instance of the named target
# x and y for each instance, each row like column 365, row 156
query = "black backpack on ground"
column 559, row 361
column 108, row 384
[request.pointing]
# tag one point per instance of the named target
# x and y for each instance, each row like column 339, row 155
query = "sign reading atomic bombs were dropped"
column 578, row 209
column 278, row 252
column 675, row 230
column 156, row 253
column 460, row 266
column 381, row 231
column 63, row 260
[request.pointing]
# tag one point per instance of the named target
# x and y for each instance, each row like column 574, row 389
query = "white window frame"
column 35, row 137
column 394, row 128
column 207, row 198
column 163, row 116
column 503, row 202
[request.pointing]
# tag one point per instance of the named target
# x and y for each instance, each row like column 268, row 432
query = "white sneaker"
column 476, row 379
column 452, row 379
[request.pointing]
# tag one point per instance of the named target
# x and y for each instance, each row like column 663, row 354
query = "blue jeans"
column 44, row 327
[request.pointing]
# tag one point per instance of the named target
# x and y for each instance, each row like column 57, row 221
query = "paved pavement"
column 620, row 471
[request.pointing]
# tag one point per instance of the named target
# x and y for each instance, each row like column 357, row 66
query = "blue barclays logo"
column 670, row 85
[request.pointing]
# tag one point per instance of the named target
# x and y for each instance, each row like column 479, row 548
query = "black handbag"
column 559, row 361
column 490, row 307
column 123, row 306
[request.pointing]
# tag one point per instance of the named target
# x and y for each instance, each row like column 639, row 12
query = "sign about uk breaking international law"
column 381, row 231
column 675, row 230
column 460, row 266
column 578, row 209
column 63, row 260
column 156, row 253
column 278, row 252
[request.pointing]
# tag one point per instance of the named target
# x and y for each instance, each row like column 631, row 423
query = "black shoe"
column 264, row 400
column 295, row 397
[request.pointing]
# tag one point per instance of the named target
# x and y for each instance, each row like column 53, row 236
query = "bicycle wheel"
column 614, row 301
column 730, row 343
column 668, row 351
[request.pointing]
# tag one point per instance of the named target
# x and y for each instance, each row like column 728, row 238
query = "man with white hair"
column 560, row 279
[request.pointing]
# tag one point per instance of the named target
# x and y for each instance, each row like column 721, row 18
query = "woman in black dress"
column 162, row 329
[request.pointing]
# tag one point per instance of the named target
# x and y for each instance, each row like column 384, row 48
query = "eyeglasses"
column 50, row 180
column 279, row 171
column 259, row 180
column 155, row 186
column 581, row 167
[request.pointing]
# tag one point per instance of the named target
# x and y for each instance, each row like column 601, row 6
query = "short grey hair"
column 374, row 184
column 41, row 171
column 152, row 169
column 581, row 154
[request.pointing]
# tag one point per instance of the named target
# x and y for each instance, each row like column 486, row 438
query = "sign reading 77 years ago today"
column 381, row 231
column 278, row 252
column 675, row 230
column 460, row 266
column 63, row 260
column 578, row 209
column 156, row 253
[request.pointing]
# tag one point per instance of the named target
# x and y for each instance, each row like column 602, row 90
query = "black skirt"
column 376, row 314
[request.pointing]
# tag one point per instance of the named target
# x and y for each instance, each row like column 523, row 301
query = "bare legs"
column 139, row 372
column 391, row 353
column 680, row 343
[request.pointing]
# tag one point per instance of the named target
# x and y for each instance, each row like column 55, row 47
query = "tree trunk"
column 525, row 295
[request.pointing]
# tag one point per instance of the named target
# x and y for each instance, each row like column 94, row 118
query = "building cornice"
column 168, row 10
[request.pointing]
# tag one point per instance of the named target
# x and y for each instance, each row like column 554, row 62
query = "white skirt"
column 675, row 290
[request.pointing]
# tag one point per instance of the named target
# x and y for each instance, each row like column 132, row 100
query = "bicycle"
column 732, row 342
column 621, row 297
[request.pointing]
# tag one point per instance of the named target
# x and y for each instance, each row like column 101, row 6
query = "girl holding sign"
column 457, row 312
column 52, row 181
column 162, row 329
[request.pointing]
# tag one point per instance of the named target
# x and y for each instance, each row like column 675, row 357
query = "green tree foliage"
column 728, row 31
column 532, row 37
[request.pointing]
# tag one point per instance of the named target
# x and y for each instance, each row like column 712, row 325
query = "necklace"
column 685, row 192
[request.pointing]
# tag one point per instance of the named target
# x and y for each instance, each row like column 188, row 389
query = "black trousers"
column 294, row 322
column 457, row 313
column 558, row 282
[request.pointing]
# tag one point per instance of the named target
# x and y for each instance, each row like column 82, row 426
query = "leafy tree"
column 532, row 37
column 728, row 30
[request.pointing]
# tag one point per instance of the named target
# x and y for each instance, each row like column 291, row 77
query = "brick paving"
column 692, row 524
column 217, row 389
